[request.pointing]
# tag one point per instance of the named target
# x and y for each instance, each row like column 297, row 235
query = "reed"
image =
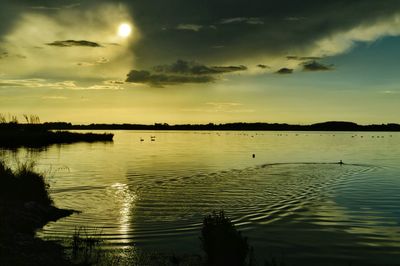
column 23, row 184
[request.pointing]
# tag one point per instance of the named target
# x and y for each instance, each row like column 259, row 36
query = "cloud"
column 55, row 7
column 37, row 83
column 58, row 85
column 143, row 76
column 4, row 54
column 39, row 35
column 312, row 28
column 71, row 43
column 262, row 66
column 54, row 98
column 247, row 20
column 315, row 66
column 284, row 70
column 193, row 68
column 7, row 55
column 294, row 19
column 227, row 69
column 220, row 107
column 101, row 60
column 302, row 58
column 389, row 92
column 113, row 82
column 265, row 31
column 190, row 27
column 180, row 72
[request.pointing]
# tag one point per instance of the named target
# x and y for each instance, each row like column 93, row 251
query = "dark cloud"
column 181, row 72
column 243, row 30
column 289, row 26
column 155, row 79
column 284, row 70
column 315, row 66
column 193, row 68
column 262, row 66
column 4, row 54
column 294, row 19
column 71, row 43
column 302, row 58
column 114, row 82
column 227, row 69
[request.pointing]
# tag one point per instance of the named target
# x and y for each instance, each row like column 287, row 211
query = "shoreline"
column 19, row 245
column 20, row 136
column 25, row 206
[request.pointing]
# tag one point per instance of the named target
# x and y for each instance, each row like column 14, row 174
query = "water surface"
column 291, row 200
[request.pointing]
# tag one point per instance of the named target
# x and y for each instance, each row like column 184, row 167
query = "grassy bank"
column 25, row 206
column 15, row 135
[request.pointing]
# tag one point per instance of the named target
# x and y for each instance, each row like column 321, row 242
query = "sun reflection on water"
column 125, row 199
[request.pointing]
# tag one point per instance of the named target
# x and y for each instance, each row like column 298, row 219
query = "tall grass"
column 13, row 119
column 23, row 184
column 85, row 247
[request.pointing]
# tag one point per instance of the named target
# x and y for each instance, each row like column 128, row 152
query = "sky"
column 201, row 61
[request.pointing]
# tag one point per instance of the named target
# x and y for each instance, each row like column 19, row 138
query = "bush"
column 222, row 242
column 23, row 184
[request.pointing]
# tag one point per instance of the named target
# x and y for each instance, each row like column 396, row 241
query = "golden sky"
column 190, row 62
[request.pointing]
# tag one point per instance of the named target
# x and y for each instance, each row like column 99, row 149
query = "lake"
column 292, row 200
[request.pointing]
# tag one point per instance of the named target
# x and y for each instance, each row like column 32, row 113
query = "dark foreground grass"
column 23, row 185
column 222, row 243
column 25, row 205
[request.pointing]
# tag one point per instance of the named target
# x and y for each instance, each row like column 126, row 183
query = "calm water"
column 292, row 200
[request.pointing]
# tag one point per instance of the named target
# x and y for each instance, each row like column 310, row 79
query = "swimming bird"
column 340, row 162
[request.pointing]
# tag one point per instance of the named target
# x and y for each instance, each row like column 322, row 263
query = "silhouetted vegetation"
column 223, row 243
column 23, row 184
column 326, row 126
column 25, row 205
column 85, row 247
column 35, row 135
column 32, row 138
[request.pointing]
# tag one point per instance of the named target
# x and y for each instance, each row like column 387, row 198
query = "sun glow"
column 124, row 30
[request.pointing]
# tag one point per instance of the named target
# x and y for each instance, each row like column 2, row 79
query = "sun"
column 124, row 30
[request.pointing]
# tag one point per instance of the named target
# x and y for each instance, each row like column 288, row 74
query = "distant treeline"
column 325, row 126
